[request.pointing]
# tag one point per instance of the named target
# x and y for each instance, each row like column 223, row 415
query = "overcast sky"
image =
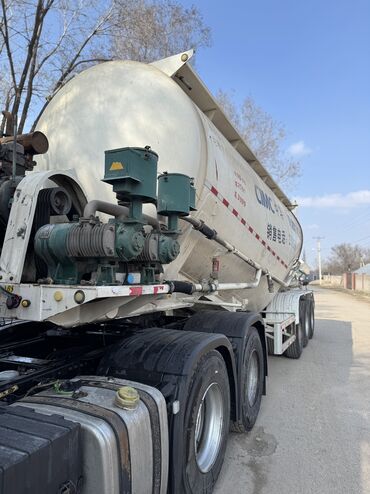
column 308, row 65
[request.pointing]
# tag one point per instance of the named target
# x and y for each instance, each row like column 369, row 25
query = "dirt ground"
column 313, row 432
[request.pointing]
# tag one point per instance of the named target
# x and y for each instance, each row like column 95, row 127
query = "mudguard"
column 165, row 359
column 236, row 326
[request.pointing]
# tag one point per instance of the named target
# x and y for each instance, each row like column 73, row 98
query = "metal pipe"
column 211, row 286
column 9, row 122
column 215, row 287
column 213, row 235
column 208, row 302
column 14, row 160
column 115, row 210
column 33, row 143
column 253, row 284
column 235, row 286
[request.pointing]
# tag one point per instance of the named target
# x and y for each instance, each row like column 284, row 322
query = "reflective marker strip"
column 258, row 237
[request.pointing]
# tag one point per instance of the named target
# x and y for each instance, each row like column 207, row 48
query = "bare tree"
column 346, row 257
column 148, row 30
column 264, row 135
column 42, row 43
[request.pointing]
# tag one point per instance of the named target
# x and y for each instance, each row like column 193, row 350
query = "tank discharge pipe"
column 211, row 234
column 242, row 286
column 210, row 286
column 114, row 210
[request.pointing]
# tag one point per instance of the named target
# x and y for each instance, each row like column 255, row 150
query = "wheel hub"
column 252, row 378
column 208, row 428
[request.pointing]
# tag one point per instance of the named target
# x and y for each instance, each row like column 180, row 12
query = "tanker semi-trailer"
column 140, row 300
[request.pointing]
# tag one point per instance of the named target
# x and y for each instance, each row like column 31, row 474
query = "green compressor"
column 126, row 250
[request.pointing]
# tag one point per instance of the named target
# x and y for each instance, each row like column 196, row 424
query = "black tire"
column 304, row 320
column 270, row 346
column 296, row 348
column 209, row 382
column 252, row 377
column 311, row 308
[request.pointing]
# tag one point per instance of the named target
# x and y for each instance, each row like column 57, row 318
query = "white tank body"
column 119, row 104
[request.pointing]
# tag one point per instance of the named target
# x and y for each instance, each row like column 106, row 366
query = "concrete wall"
column 362, row 282
column 351, row 281
column 332, row 280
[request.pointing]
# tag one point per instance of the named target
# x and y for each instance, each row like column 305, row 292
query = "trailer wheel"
column 311, row 311
column 270, row 346
column 252, row 375
column 304, row 319
column 206, row 424
column 296, row 348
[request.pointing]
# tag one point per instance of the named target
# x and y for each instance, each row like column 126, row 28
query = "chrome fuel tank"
column 124, row 450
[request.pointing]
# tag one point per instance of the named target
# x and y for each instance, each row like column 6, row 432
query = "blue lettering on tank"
column 264, row 199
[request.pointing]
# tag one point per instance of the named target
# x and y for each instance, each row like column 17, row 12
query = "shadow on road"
column 309, row 437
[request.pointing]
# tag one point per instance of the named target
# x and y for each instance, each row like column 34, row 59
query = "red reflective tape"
column 244, row 223
column 136, row 291
column 158, row 288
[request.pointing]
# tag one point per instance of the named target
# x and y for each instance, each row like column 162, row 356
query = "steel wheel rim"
column 252, row 378
column 208, row 428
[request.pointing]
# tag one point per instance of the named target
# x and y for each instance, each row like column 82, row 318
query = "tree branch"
column 56, row 47
column 40, row 14
column 64, row 82
column 73, row 63
column 5, row 34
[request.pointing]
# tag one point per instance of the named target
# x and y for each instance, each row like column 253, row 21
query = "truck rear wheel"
column 296, row 348
column 311, row 310
column 304, row 320
column 270, row 346
column 252, row 375
column 206, row 424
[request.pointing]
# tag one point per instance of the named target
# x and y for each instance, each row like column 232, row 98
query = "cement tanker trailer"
column 147, row 268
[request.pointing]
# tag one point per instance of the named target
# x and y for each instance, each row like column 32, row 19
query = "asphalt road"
column 312, row 435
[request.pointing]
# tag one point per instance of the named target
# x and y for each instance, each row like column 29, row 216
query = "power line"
column 358, row 218
column 362, row 239
column 355, row 223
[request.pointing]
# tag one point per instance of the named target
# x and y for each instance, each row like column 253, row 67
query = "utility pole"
column 318, row 240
